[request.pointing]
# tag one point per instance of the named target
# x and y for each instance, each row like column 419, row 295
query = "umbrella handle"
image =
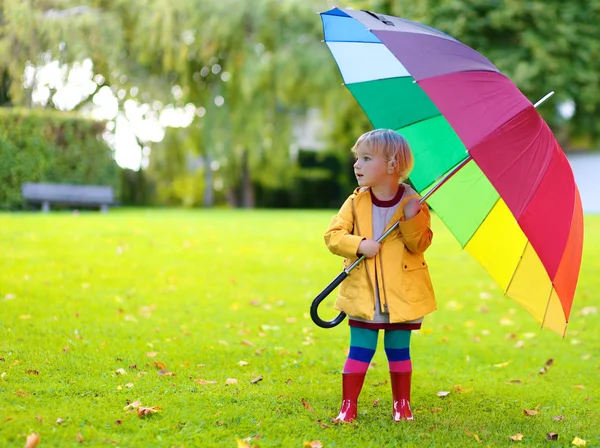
column 314, row 308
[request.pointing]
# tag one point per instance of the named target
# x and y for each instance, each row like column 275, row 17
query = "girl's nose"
column 356, row 164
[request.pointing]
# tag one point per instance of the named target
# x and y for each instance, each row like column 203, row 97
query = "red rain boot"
column 351, row 385
column 401, row 395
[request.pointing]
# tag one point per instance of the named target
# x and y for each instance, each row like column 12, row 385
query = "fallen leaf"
column 118, row 422
column 243, row 363
column 8, row 419
column 551, row 436
column 434, row 410
column 66, row 349
column 558, row 418
column 142, row 411
column 32, row 372
column 513, row 382
column 151, row 354
column 502, row 364
column 32, row 440
column 59, row 421
column 21, row 393
column 201, row 381
column 242, row 444
column 516, row 437
column 290, row 320
column 165, row 373
column 313, row 444
column 79, row 437
column 120, row 371
column 376, row 403
column 460, row 389
column 256, row 380
column 579, row 387
column 475, row 436
column 443, row 393
column 3, row 376
column 247, row 343
column 129, row 385
column 133, row 405
column 231, row 381
column 550, row 362
column 160, row 365
column 307, row 405
column 588, row 310
column 530, row 412
column 324, row 425
column 288, row 381
column 39, row 419
column 579, row 442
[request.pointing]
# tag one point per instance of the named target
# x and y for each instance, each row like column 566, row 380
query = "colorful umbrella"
column 511, row 200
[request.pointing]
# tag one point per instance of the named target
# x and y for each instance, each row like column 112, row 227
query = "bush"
column 51, row 146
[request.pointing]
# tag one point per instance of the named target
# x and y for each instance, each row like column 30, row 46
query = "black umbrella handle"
column 314, row 313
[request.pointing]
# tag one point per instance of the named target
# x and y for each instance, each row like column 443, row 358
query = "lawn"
column 181, row 310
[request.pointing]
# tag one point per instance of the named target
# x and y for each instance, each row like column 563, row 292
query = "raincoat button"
column 405, row 266
column 423, row 263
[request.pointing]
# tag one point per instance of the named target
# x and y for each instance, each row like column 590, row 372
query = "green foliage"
column 42, row 146
column 83, row 296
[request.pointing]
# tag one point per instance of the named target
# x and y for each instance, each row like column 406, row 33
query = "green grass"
column 206, row 290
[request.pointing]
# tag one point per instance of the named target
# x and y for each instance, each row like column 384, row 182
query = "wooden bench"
column 66, row 194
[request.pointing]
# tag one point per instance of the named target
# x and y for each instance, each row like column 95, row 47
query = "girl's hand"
column 368, row 248
column 412, row 208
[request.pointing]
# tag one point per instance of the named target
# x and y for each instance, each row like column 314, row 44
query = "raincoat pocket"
column 417, row 282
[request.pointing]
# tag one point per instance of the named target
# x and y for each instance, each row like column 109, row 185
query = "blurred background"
column 238, row 103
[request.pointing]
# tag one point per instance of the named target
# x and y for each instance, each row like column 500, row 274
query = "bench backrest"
column 68, row 194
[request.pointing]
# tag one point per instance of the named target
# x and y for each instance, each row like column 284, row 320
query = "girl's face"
column 370, row 169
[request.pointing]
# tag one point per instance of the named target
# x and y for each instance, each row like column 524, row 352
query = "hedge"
column 51, row 146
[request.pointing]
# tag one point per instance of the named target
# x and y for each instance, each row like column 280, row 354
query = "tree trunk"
column 209, row 197
column 247, row 187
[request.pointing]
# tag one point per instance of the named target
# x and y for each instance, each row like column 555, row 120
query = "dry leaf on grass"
column 39, row 419
column 475, row 436
column 3, row 376
column 231, row 381
column 256, row 380
column 32, row 372
column 434, row 410
column 502, row 364
column 151, row 354
column 551, row 436
column 21, row 393
column 129, row 385
column 79, row 437
column 313, row 444
column 59, row 421
column 558, row 418
column 201, row 381
column 120, row 371
column 133, row 405
column 32, row 440
column 376, row 403
column 243, row 363
column 160, row 365
column 443, row 393
column 142, row 411
column 579, row 387
column 165, row 373
column 307, row 405
column 579, row 442
column 530, row 412
column 247, row 343
column 516, row 437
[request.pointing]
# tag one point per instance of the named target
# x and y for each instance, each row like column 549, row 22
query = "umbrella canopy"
column 513, row 205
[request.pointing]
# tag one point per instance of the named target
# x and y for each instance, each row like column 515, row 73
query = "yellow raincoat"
column 405, row 288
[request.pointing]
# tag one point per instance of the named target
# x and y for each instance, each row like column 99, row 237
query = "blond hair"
column 392, row 146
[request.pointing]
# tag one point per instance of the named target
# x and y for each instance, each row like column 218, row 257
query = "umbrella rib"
column 516, row 268
column 548, row 304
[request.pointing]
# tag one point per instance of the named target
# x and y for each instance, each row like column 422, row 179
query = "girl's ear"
column 391, row 167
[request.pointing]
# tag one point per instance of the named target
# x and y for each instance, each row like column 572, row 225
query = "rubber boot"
column 352, row 384
column 401, row 396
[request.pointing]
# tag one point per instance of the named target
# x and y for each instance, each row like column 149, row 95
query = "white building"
column 586, row 168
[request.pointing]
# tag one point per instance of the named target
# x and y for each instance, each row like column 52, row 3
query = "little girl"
column 391, row 290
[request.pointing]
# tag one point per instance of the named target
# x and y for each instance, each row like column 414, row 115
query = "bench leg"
column 45, row 207
column 104, row 208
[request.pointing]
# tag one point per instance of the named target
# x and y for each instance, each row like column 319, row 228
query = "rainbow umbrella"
column 510, row 198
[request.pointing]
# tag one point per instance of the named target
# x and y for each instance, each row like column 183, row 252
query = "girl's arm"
column 338, row 237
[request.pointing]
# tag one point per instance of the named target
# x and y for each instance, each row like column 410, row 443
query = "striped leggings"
column 363, row 343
